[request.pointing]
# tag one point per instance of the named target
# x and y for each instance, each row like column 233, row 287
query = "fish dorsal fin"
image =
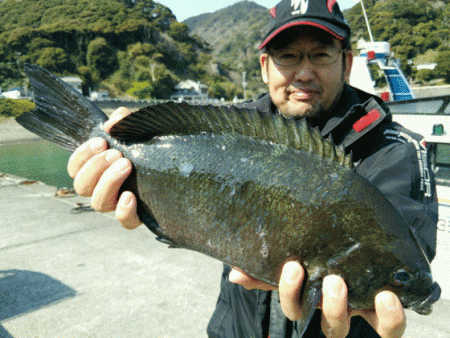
column 184, row 119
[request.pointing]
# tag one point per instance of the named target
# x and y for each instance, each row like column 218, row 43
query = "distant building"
column 15, row 93
column 75, row 81
column 430, row 66
column 102, row 95
column 190, row 91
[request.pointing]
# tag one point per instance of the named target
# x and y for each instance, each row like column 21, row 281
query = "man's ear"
column 348, row 65
column 263, row 61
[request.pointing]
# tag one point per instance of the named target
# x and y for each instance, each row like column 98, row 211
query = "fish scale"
column 253, row 190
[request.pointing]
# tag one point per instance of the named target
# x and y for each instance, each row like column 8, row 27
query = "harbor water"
column 36, row 160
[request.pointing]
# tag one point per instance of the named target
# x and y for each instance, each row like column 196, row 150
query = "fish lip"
column 425, row 307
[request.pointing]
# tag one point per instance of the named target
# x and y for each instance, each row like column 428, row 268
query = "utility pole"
column 367, row 20
column 244, row 84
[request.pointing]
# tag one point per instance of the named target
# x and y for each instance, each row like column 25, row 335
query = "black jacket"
column 390, row 157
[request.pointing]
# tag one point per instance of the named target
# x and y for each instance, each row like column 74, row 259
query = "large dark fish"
column 251, row 189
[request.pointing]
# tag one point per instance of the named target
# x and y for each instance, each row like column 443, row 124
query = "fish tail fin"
column 62, row 115
column 311, row 297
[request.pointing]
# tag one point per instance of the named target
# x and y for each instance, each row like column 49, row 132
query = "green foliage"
column 53, row 59
column 425, row 75
column 85, row 73
column 114, row 41
column 224, row 89
column 443, row 65
column 9, row 74
column 179, row 31
column 13, row 108
column 141, row 90
column 164, row 82
column 101, row 59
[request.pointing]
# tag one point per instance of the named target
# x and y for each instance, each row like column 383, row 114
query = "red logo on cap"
column 330, row 5
column 273, row 12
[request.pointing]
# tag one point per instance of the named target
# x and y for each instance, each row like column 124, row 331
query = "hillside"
column 234, row 34
column 108, row 43
column 239, row 26
column 112, row 44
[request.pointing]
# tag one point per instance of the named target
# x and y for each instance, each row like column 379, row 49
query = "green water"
column 39, row 160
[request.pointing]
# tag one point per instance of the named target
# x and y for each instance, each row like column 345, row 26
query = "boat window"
column 417, row 107
column 447, row 110
column 441, row 161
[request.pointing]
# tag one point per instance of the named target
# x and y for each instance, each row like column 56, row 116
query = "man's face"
column 305, row 89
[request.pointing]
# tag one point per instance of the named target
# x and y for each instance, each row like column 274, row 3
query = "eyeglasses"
column 319, row 56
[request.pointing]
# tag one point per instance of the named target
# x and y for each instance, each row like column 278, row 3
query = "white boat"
column 429, row 117
column 435, row 128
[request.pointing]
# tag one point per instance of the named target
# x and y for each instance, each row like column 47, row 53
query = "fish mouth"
column 425, row 307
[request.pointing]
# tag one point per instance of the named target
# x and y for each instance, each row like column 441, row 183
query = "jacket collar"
column 355, row 114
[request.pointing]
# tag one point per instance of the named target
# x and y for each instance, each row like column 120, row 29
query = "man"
column 305, row 62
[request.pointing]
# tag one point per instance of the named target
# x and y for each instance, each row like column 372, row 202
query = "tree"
column 9, row 74
column 164, row 82
column 101, row 58
column 179, row 31
column 141, row 90
column 425, row 75
column 86, row 76
column 53, row 59
column 443, row 65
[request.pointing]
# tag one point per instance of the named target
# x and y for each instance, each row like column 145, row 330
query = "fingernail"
column 121, row 165
column 291, row 272
column 233, row 275
column 112, row 155
column 125, row 200
column 333, row 286
column 97, row 145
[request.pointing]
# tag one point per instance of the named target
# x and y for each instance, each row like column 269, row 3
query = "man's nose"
column 305, row 70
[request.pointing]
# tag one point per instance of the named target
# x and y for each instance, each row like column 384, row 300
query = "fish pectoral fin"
column 172, row 245
column 311, row 297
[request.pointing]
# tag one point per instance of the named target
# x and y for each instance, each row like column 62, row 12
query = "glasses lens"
column 319, row 57
column 286, row 58
column 324, row 57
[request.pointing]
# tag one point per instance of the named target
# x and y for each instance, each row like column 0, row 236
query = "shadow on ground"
column 24, row 291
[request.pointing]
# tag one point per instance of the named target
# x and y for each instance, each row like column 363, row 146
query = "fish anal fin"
column 311, row 297
column 172, row 245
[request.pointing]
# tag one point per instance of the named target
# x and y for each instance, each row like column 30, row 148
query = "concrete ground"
column 83, row 275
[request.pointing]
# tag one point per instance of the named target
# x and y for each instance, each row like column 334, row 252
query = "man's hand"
column 100, row 172
column 388, row 319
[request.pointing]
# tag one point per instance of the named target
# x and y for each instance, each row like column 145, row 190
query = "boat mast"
column 367, row 20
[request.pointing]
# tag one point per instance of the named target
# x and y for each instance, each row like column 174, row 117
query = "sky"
column 184, row 9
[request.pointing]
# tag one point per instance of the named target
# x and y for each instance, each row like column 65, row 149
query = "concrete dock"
column 66, row 274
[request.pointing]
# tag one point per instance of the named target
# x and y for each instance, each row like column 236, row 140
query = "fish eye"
column 403, row 277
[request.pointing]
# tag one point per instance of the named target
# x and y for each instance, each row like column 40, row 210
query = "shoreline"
column 12, row 132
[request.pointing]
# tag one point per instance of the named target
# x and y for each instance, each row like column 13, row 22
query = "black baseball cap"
column 324, row 14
